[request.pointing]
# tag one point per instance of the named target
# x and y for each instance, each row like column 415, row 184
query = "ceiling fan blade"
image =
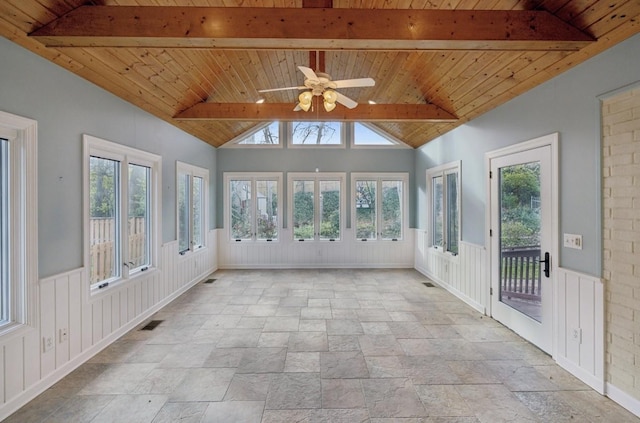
column 281, row 89
column 309, row 73
column 352, row 83
column 297, row 108
column 345, row 101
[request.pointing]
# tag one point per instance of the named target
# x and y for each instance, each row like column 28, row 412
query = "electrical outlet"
column 47, row 343
column 576, row 335
column 63, row 335
column 573, row 241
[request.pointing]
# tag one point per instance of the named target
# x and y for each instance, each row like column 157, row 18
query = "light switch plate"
column 573, row 241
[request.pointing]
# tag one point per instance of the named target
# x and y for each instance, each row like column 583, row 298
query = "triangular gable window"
column 267, row 135
column 367, row 136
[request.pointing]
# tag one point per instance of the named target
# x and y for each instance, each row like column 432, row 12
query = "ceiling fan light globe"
column 328, row 106
column 305, row 106
column 330, row 96
column 305, row 100
column 305, row 97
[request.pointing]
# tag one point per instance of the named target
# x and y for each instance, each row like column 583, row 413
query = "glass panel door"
column 521, row 243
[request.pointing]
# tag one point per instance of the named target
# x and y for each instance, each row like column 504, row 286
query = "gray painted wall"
column 308, row 159
column 568, row 104
column 66, row 107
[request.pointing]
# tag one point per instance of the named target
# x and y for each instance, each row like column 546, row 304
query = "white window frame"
column 289, row 136
column 97, row 147
column 193, row 171
column 379, row 178
column 317, row 177
column 22, row 134
column 443, row 171
column 253, row 177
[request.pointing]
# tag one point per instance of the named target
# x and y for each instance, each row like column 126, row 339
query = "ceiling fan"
column 320, row 84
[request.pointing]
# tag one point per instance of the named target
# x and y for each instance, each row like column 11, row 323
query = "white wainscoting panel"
column 91, row 323
column 286, row 253
column 464, row 275
column 580, row 328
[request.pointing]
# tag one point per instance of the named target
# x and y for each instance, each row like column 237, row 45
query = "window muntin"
column 316, row 206
column 444, row 183
column 191, row 184
column 121, row 189
column 252, row 206
column 379, row 206
column 316, row 134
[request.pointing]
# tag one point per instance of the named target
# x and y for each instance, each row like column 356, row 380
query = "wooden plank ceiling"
column 199, row 64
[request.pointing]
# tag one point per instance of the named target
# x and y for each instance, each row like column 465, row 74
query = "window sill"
column 254, row 242
column 96, row 292
column 186, row 254
column 447, row 254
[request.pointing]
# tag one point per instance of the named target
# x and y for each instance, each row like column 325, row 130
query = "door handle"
column 547, row 264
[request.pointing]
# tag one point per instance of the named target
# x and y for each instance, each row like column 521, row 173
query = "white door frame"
column 551, row 140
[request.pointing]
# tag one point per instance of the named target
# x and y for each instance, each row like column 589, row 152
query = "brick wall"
column 621, row 239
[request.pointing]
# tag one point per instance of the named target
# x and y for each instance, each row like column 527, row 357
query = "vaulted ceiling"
column 199, row 64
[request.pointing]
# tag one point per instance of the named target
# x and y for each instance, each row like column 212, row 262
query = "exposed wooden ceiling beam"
column 284, row 112
column 310, row 29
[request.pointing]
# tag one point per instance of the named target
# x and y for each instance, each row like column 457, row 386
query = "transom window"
column 192, row 184
column 379, row 204
column 121, row 192
column 305, row 134
column 444, row 187
column 316, row 209
column 316, row 134
column 253, row 206
column 266, row 135
column 369, row 136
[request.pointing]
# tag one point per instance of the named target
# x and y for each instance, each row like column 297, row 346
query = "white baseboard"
column 317, row 266
column 470, row 302
column 627, row 401
column 594, row 382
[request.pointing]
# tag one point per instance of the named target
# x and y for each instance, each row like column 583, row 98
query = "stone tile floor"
column 321, row 346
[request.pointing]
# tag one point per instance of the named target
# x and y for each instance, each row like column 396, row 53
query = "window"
column 5, row 257
column 379, row 206
column 18, row 222
column 253, row 206
column 316, row 134
column 192, row 187
column 262, row 136
column 444, row 186
column 121, row 221
column 316, row 206
column 366, row 135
